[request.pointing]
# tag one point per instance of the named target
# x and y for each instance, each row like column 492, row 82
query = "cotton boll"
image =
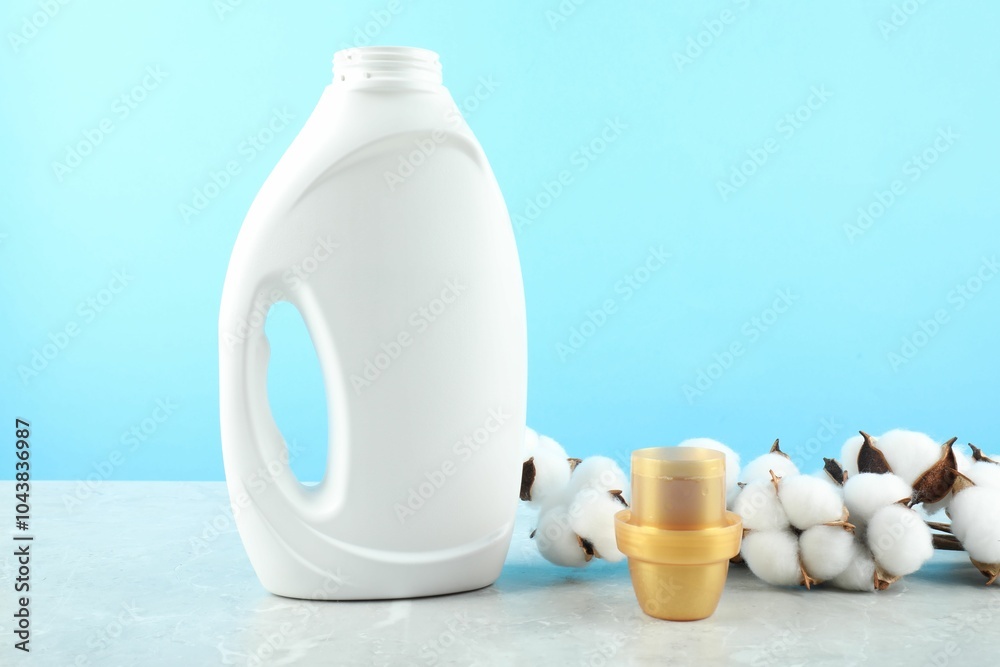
column 909, row 453
column 849, row 454
column 552, row 471
column 984, row 473
column 826, row 551
column 808, row 501
column 556, row 540
column 597, row 472
column 592, row 517
column 759, row 469
column 773, row 555
column 962, row 461
column 530, row 443
column 823, row 475
column 732, row 462
column 759, row 507
column 859, row 575
column 930, row 509
column 899, row 540
column 868, row 492
column 975, row 521
column 547, row 445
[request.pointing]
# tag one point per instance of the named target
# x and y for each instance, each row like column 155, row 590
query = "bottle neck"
column 386, row 66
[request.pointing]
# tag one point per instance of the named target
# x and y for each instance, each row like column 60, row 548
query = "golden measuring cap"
column 678, row 535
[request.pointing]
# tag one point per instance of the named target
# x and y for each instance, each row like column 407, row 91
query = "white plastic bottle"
column 384, row 226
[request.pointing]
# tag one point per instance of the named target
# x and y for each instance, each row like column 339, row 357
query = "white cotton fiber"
column 759, row 507
column 823, row 475
column 732, row 462
column 826, row 551
column 930, row 509
column 962, row 461
column 869, row 492
column 984, row 473
column 975, row 521
column 808, row 501
column 849, row 454
column 909, row 453
column 552, row 472
column 773, row 555
column 899, row 540
column 859, row 575
column 556, row 540
column 530, row 443
column 759, row 469
column 597, row 472
column 592, row 517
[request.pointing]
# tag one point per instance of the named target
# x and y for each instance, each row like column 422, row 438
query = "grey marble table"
column 153, row 573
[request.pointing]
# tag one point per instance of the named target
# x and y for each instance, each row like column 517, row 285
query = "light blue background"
column 820, row 371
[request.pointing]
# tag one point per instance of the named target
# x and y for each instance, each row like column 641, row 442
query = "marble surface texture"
column 153, row 573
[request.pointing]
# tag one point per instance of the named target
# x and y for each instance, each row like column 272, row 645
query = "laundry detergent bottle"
column 384, row 226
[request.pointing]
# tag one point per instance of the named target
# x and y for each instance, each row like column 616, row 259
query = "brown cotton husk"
column 617, row 495
column 936, row 482
column 871, row 458
column 527, row 478
column 573, row 463
column 977, row 455
column 588, row 549
column 844, row 522
column 961, row 483
column 835, row 471
column 807, row 581
column 776, row 449
column 990, row 570
column 776, row 481
column 883, row 579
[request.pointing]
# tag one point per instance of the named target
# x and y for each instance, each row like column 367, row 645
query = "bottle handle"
column 254, row 449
